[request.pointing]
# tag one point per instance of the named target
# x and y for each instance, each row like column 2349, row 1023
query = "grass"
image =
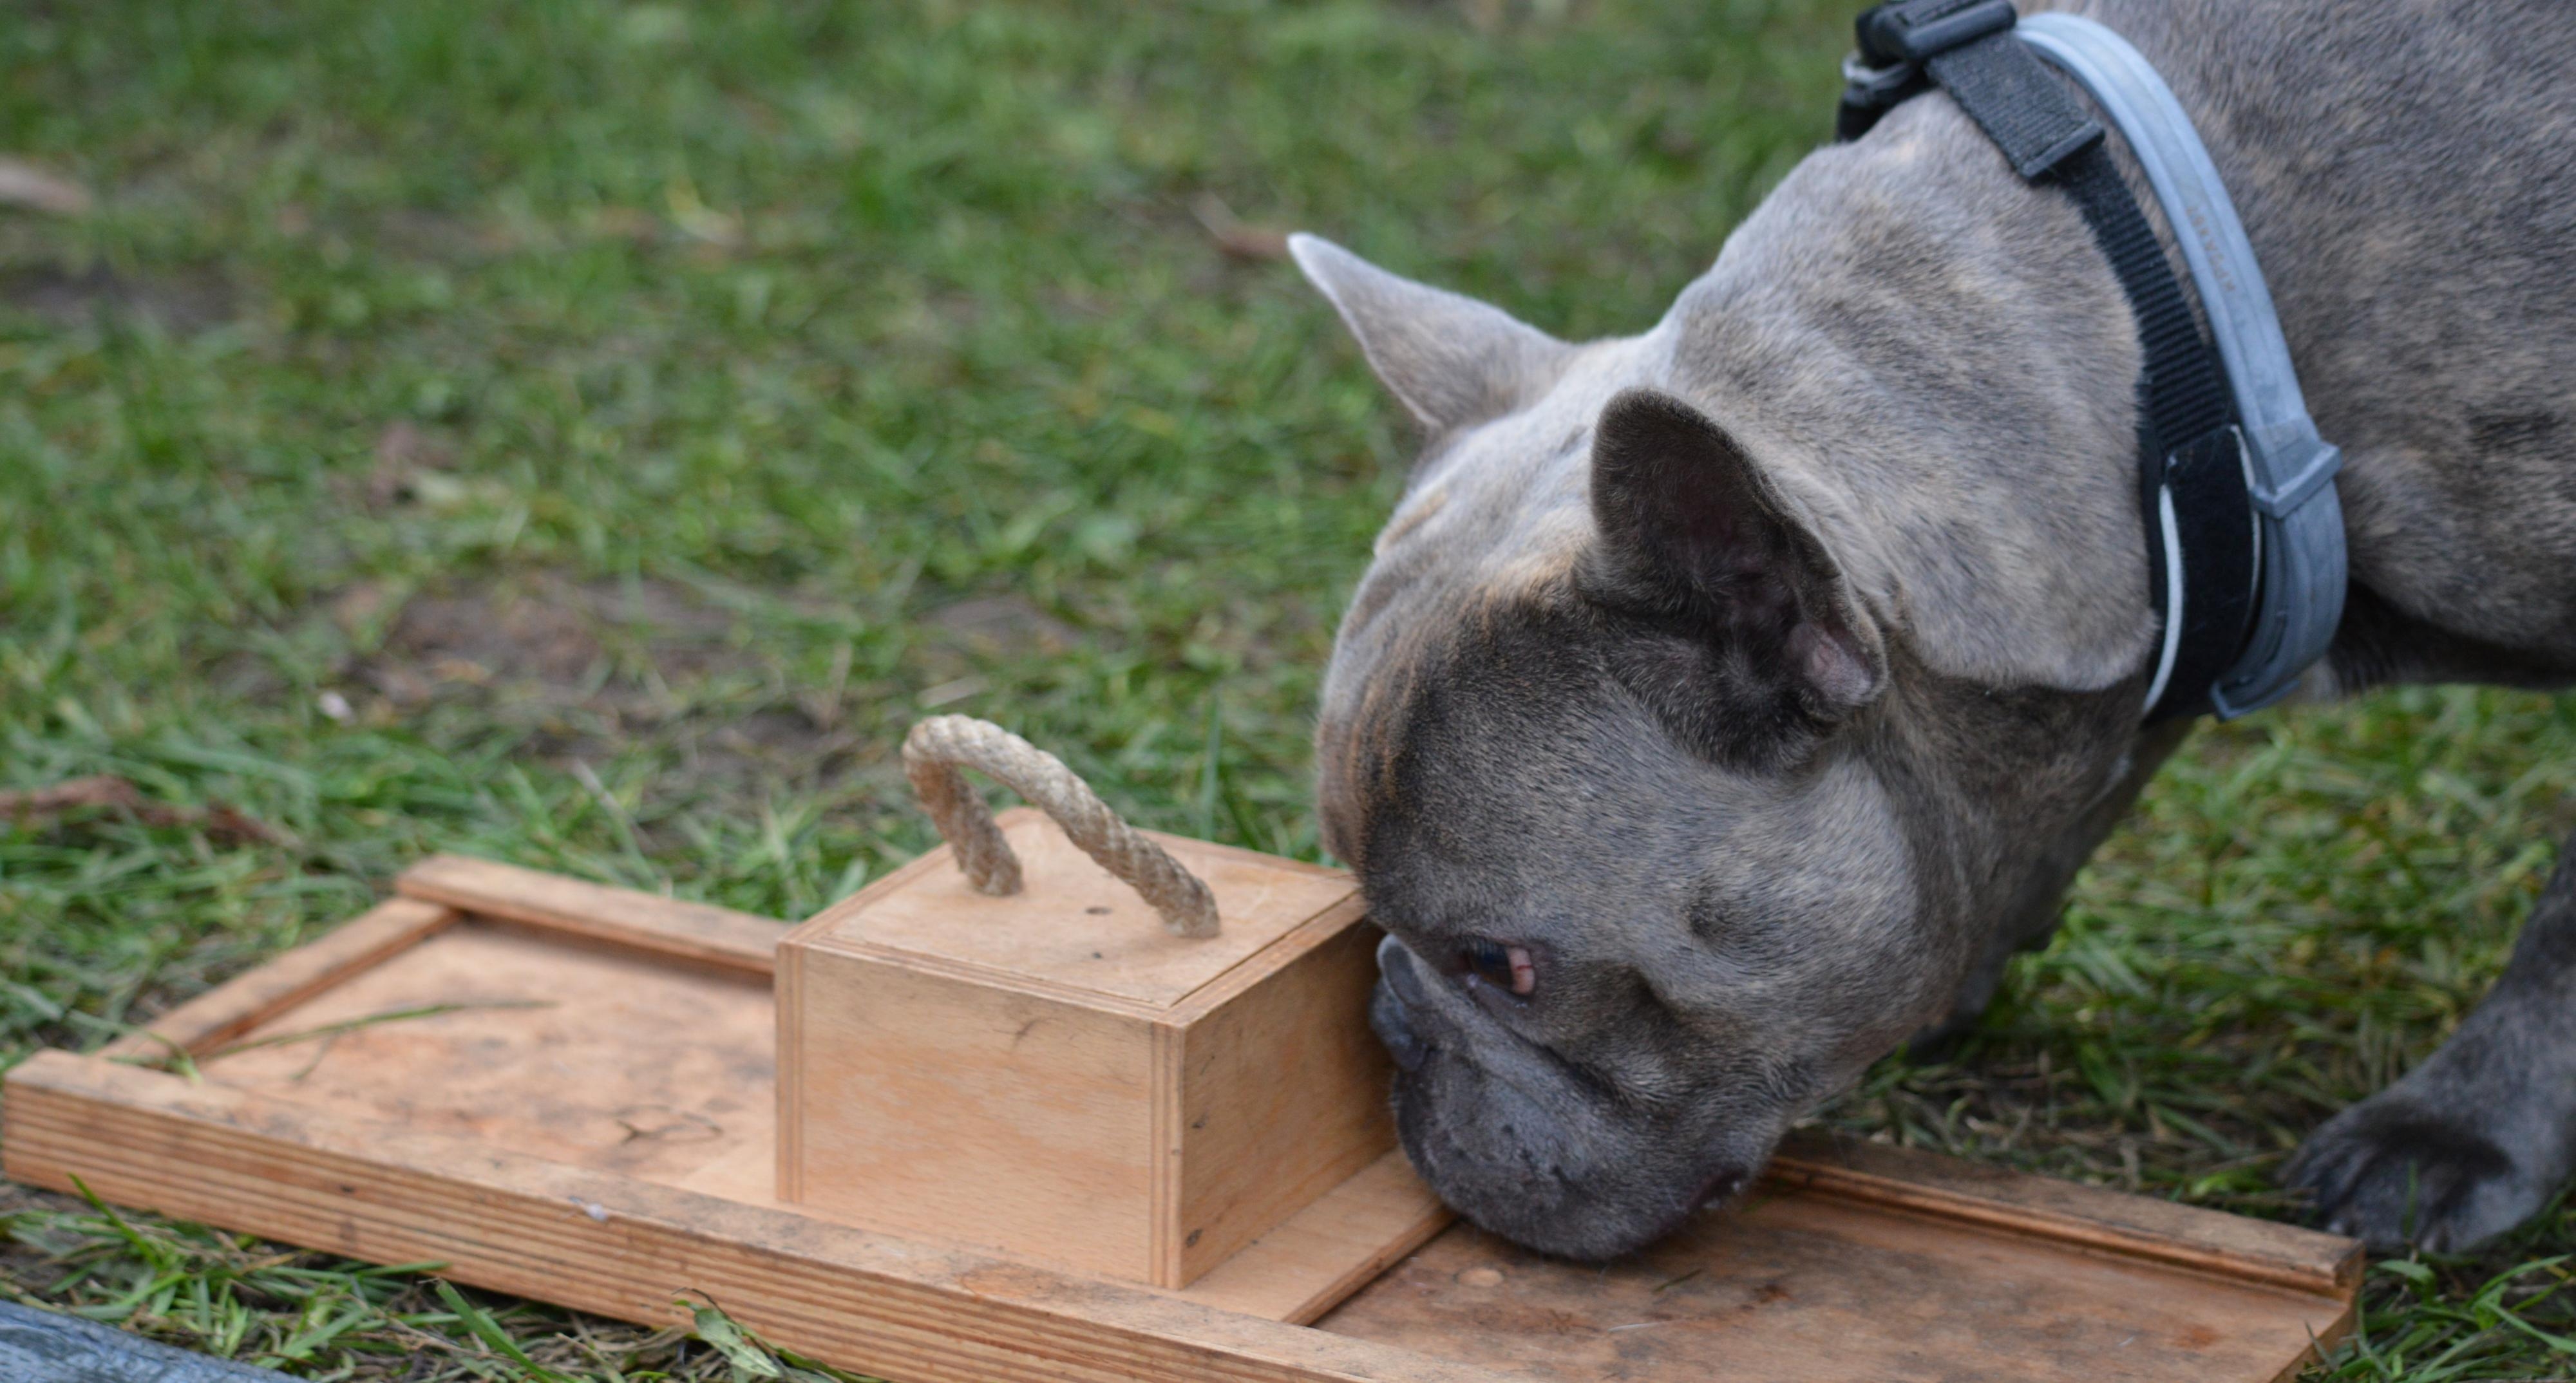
column 586, row 433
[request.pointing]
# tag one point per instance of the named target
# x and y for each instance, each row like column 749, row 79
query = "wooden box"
column 1054, row 1075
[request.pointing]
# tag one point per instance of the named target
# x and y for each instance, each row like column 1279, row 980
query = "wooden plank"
column 227, row 1011
column 626, row 1248
column 787, row 1066
column 536, row 1119
column 700, row 932
column 2084, row 1217
column 1816, row 1289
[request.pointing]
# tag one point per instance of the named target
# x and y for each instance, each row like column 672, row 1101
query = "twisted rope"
column 939, row 747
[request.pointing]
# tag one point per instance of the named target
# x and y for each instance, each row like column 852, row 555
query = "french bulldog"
column 1725, row 704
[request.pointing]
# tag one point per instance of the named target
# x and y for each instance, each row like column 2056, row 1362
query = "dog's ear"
column 1450, row 360
column 1698, row 541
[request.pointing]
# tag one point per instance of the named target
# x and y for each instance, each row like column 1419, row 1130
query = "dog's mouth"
column 1715, row 1190
column 1719, row 1188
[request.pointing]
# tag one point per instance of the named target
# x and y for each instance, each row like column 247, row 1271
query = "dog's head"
column 1635, row 738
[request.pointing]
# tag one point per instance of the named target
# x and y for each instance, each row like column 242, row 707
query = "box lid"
column 1073, row 923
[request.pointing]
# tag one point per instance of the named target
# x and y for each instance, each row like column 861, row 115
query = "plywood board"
column 1807, row 1288
column 538, row 1150
column 551, row 1046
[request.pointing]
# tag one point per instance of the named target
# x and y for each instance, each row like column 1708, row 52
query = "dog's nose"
column 1397, row 965
column 1387, row 1019
column 1398, row 988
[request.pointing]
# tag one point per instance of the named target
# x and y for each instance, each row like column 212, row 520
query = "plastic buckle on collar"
column 1895, row 40
column 1918, row 31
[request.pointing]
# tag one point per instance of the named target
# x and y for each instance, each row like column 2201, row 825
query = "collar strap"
column 2244, row 532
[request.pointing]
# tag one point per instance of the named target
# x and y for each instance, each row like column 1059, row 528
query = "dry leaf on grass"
column 404, row 453
column 23, row 184
column 116, row 794
column 1236, row 239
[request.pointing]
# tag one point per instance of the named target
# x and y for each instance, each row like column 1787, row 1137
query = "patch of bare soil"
column 1000, row 626
column 441, row 237
column 73, row 298
column 964, row 638
column 589, row 670
column 542, row 640
column 591, row 667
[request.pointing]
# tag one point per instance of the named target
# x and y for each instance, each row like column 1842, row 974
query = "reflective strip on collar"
column 2290, row 470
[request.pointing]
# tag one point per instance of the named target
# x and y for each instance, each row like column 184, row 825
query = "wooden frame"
column 1850, row 1258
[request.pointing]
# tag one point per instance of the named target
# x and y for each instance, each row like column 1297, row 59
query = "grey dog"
column 1726, row 703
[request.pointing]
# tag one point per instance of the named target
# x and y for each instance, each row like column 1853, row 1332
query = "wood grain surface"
column 226, row 1012
column 1798, row 1289
column 2085, row 1217
column 551, row 1045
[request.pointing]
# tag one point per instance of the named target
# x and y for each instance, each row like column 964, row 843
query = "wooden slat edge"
column 1249, row 855
column 700, row 932
column 235, row 1007
column 995, row 977
column 1341, row 915
column 787, row 995
column 2230, row 1246
column 601, row 1242
column 1433, row 1218
column 2321, row 1343
column 1163, row 1155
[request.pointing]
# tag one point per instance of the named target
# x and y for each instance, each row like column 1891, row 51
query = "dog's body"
column 1726, row 703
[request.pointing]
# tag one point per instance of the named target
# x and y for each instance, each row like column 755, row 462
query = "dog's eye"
column 1507, row 968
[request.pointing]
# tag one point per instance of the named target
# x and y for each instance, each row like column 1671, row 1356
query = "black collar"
column 2206, row 524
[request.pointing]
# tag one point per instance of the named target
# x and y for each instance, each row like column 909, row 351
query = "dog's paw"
column 2392, row 1171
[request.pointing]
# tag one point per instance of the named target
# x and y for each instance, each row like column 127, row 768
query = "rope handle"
column 938, row 748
